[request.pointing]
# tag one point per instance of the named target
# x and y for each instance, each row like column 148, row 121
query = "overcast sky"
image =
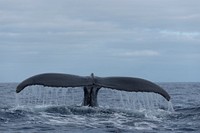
column 158, row 40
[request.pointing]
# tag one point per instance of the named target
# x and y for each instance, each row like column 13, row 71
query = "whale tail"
column 92, row 84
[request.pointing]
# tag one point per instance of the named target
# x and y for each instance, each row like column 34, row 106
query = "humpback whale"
column 91, row 85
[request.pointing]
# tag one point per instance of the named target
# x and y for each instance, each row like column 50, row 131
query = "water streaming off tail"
column 107, row 98
column 39, row 95
column 132, row 100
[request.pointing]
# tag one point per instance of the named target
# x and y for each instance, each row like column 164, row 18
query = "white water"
column 107, row 98
column 133, row 100
column 37, row 95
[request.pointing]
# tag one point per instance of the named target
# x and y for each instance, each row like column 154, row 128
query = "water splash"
column 16, row 99
column 133, row 100
column 170, row 107
column 107, row 98
column 38, row 95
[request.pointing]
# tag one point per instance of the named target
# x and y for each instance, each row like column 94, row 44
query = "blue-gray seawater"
column 45, row 109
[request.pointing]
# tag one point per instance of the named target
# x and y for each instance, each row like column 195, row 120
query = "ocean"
column 55, row 110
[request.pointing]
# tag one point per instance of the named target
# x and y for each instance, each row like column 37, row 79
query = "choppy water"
column 44, row 109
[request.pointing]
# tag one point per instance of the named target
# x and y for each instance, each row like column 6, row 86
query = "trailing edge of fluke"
column 92, row 84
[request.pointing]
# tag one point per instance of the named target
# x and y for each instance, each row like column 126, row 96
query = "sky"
column 158, row 40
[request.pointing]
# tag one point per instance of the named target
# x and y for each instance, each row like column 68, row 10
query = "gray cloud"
column 136, row 38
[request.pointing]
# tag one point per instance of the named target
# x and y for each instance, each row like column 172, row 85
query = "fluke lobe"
column 92, row 84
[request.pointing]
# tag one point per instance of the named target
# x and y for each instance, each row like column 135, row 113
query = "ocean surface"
column 46, row 109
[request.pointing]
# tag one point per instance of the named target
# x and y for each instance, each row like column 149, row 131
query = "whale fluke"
column 92, row 84
column 55, row 80
column 132, row 85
